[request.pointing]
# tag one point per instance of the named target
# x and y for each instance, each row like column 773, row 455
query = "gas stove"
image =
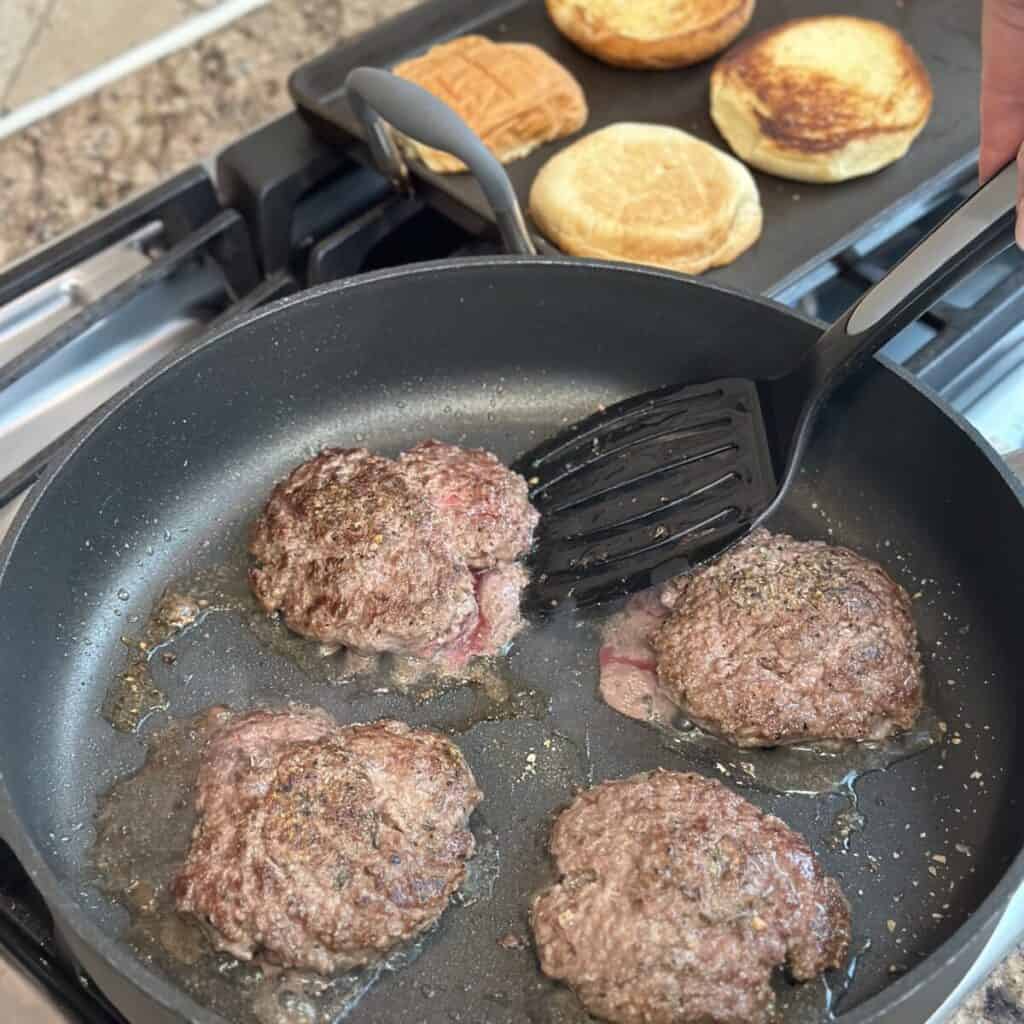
column 279, row 211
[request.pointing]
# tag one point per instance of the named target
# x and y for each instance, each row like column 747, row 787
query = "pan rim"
column 118, row 956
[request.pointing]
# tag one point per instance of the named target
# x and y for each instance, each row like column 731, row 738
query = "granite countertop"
column 89, row 157
column 1001, row 999
column 61, row 172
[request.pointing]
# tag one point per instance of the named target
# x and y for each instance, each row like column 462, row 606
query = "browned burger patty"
column 484, row 503
column 323, row 846
column 677, row 899
column 497, row 597
column 350, row 553
column 782, row 641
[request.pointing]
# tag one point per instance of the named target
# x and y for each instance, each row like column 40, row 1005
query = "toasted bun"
column 651, row 33
column 513, row 95
column 647, row 194
column 821, row 99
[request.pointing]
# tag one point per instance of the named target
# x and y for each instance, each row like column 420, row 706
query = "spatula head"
column 645, row 490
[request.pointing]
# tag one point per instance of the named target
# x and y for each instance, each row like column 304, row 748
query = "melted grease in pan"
column 187, row 603
column 803, row 770
column 807, row 770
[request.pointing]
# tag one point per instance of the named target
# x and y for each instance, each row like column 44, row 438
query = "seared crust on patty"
column 486, row 504
column 323, row 846
column 351, row 553
column 677, row 898
column 784, row 641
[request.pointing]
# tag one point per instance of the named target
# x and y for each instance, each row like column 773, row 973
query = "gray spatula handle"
column 980, row 228
column 977, row 230
column 958, row 245
column 375, row 95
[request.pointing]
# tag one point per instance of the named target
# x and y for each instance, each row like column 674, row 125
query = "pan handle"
column 377, row 96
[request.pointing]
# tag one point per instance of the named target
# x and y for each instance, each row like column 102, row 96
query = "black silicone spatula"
column 659, row 484
column 663, row 482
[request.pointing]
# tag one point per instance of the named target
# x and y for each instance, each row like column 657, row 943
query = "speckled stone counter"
column 62, row 172
column 1001, row 999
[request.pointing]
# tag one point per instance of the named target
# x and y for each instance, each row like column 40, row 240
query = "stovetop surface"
column 80, row 320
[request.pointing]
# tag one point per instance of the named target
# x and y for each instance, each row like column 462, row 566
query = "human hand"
column 1002, row 93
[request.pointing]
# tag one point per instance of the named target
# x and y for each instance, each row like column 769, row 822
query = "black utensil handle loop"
column 377, row 96
column 979, row 229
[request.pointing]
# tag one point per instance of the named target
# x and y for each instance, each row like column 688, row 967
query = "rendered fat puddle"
column 801, row 770
column 804, row 770
column 190, row 601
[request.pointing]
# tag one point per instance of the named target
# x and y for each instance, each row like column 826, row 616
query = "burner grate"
column 27, row 937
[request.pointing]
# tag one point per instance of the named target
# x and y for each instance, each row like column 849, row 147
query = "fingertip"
column 987, row 164
column 993, row 158
column 1020, row 196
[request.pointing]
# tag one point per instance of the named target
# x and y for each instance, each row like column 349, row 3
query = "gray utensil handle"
column 952, row 240
column 980, row 228
column 375, row 95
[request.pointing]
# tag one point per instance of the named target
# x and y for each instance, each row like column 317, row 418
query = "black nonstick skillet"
column 662, row 482
column 501, row 352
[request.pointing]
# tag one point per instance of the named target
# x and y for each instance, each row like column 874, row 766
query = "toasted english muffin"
column 513, row 95
column 821, row 99
column 651, row 33
column 650, row 194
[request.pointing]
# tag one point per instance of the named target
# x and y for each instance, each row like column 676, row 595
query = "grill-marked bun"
column 821, row 99
column 513, row 95
column 651, row 33
column 650, row 194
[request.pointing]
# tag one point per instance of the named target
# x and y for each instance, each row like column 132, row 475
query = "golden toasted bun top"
column 646, row 176
column 642, row 173
column 492, row 83
column 816, row 83
column 652, row 19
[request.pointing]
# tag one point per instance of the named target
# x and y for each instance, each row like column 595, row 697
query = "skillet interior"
column 170, row 482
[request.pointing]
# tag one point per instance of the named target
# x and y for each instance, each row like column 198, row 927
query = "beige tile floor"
column 47, row 43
